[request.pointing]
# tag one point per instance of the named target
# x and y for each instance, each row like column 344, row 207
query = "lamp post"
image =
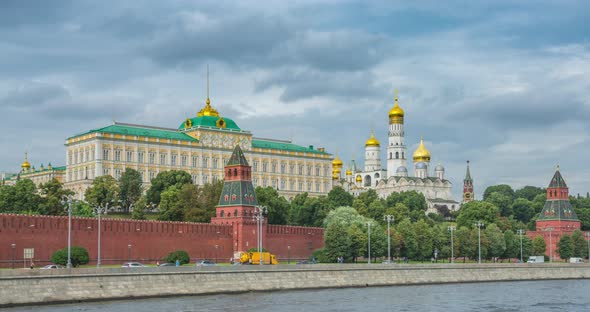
column 520, row 232
column 129, row 252
column 68, row 201
column 13, row 250
column 550, row 230
column 587, row 236
column 259, row 217
column 479, row 225
column 369, row 242
column 452, row 229
column 289, row 254
column 100, row 210
column 216, row 247
column 388, row 218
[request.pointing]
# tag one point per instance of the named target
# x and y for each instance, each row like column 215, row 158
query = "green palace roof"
column 209, row 122
column 284, row 146
column 137, row 130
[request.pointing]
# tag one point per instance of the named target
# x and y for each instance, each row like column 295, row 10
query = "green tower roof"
column 209, row 122
column 237, row 158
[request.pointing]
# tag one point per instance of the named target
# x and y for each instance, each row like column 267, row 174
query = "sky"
column 504, row 84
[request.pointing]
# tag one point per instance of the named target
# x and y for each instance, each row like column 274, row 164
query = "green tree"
column 199, row 202
column 501, row 188
column 584, row 216
column 104, row 190
column 466, row 246
column 337, row 241
column 423, row 234
column 503, row 202
column 497, row 243
column 20, row 198
column 415, row 201
column 138, row 212
column 278, row 206
column 512, row 242
column 523, row 210
column 538, row 202
column 129, row 188
column 78, row 255
column 180, row 255
column 338, row 197
column 164, row 180
column 580, row 245
column 475, row 211
column 376, row 210
column 529, row 192
column 296, row 211
column 408, row 243
column 344, row 235
column 53, row 194
column 539, row 246
column 565, row 247
column 171, row 209
column 82, row 209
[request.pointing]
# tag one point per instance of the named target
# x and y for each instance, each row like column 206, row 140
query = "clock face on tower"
column 467, row 195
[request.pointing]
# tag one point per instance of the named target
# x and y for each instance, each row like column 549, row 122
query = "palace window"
column 255, row 182
column 308, row 170
column 205, row 179
column 205, row 162
column 292, row 168
column 283, row 167
column 214, row 179
column 162, row 159
column 152, row 175
column 117, row 155
column 117, row 173
column 183, row 160
column 129, row 156
column 194, row 161
column 274, row 167
column 274, row 183
column 317, row 187
column 105, row 171
column 317, row 171
column 282, row 184
column 309, row 186
column 87, row 155
column 76, row 157
column 215, row 160
column 263, row 182
column 255, row 166
column 292, row 185
column 301, row 186
column 194, row 178
column 300, row 169
column 105, row 155
column 142, row 176
column 173, row 160
column 152, row 158
column 140, row 157
column 264, row 167
column 325, row 171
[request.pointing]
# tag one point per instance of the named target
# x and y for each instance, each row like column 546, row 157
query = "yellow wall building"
column 38, row 176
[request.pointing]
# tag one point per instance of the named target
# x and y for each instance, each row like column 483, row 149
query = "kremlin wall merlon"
column 143, row 241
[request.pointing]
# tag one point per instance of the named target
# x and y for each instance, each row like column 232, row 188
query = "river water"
column 537, row 296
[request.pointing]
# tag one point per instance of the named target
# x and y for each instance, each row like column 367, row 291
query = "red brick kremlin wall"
column 150, row 240
column 560, row 228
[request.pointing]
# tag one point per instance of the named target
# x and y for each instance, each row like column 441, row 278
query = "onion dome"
column 41, row 168
column 337, row 163
column 421, row 165
column 401, row 169
column 208, row 110
column 372, row 141
column 348, row 172
column 439, row 167
column 49, row 167
column 25, row 164
column 336, row 174
column 396, row 114
column 359, row 178
column 421, row 153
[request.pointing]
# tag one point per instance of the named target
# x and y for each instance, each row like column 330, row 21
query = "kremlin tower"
column 396, row 149
column 467, row 186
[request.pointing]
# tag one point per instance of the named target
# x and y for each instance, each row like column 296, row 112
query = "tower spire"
column 467, row 186
column 207, row 83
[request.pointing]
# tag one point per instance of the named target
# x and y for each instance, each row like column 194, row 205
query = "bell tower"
column 467, row 186
column 396, row 148
column 237, row 203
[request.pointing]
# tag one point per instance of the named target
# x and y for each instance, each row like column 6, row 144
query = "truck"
column 536, row 259
column 254, row 258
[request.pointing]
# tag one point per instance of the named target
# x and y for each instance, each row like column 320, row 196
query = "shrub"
column 79, row 255
column 320, row 255
column 179, row 255
column 254, row 249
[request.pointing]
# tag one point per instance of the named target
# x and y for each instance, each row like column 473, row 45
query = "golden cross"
column 395, row 92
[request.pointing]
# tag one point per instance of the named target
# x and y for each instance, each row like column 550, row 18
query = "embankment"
column 25, row 287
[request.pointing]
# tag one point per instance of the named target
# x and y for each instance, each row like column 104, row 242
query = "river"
column 537, row 296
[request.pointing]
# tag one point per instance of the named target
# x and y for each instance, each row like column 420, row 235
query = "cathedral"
column 395, row 177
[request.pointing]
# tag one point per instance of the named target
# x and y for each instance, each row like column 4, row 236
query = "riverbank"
column 23, row 287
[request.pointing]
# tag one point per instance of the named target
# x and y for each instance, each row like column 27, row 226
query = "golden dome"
column 208, row 110
column 337, row 163
column 348, row 172
column 372, row 141
column 359, row 179
column 396, row 114
column 25, row 164
column 335, row 174
column 421, row 153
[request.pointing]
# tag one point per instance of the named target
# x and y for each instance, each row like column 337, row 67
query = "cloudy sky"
column 505, row 84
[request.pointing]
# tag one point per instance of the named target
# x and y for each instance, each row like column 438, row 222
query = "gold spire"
column 421, row 153
column 26, row 165
column 208, row 110
column 396, row 114
column 372, row 141
column 337, row 163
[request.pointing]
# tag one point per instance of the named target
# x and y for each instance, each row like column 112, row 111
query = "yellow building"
column 38, row 176
column 201, row 146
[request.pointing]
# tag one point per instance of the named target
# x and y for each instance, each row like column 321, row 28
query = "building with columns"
column 38, row 176
column 201, row 146
column 395, row 176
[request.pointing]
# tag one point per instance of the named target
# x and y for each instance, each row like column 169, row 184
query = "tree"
column 415, row 201
column 424, row 237
column 130, row 188
column 584, row 216
column 343, row 236
column 475, row 211
column 503, row 202
column 502, row 189
column 171, row 209
column 104, row 190
column 20, row 198
column 53, row 194
column 523, row 210
column 580, row 244
column 565, row 247
column 278, row 206
column 529, row 192
column 138, row 212
column 466, row 246
column 81, row 209
column 180, row 255
column 338, row 197
column 337, row 241
column 297, row 205
column 208, row 197
column 408, row 244
column 78, row 255
column 164, row 180
column 539, row 246
column 497, row 243
column 538, row 202
column 512, row 243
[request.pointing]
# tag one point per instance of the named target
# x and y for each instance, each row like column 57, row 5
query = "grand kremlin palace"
column 200, row 146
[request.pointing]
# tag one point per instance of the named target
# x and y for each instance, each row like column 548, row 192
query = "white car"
column 133, row 265
column 52, row 266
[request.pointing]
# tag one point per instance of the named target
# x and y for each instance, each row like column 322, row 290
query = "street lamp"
column 388, row 218
column 479, row 225
column 68, row 201
column 587, row 236
column 98, row 210
column 369, row 242
column 520, row 232
column 216, row 247
column 129, row 252
column 259, row 217
column 13, row 250
column 289, row 254
column 452, row 229
column 550, row 230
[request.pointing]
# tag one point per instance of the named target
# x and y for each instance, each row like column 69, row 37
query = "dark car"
column 166, row 264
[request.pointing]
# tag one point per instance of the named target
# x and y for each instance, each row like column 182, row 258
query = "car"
column 133, row 265
column 167, row 264
column 307, row 262
column 205, row 263
column 52, row 266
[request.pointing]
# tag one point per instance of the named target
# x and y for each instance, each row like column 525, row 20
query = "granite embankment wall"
column 22, row 287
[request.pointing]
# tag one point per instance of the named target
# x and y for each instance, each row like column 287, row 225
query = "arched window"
column 222, row 213
column 235, row 213
column 229, row 173
column 367, row 180
column 390, row 156
column 396, row 155
column 403, row 155
column 236, row 172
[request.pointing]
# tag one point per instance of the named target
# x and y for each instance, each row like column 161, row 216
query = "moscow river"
column 537, row 296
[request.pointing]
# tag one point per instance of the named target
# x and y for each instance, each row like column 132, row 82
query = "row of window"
column 80, row 156
column 291, row 186
column 283, row 168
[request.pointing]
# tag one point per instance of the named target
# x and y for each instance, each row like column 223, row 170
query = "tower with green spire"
column 467, row 186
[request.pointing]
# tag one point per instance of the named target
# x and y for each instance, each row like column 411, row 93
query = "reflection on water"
column 537, row 296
